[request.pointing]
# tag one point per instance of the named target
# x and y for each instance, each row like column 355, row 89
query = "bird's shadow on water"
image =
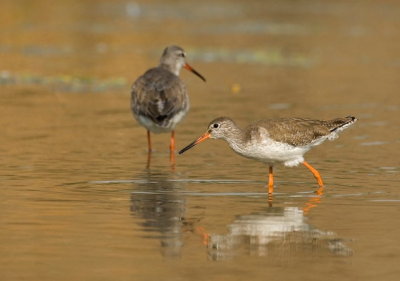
column 160, row 204
column 160, row 201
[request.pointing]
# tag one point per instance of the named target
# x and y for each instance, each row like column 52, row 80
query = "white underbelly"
column 166, row 127
column 273, row 152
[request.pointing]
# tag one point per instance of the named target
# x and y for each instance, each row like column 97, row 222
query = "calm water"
column 78, row 202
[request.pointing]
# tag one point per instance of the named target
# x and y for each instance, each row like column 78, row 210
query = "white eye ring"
column 215, row 125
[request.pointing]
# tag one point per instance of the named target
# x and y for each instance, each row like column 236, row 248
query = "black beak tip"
column 198, row 74
column 184, row 149
column 202, row 78
column 187, row 148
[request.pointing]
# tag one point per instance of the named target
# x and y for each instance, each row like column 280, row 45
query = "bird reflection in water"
column 283, row 229
column 158, row 201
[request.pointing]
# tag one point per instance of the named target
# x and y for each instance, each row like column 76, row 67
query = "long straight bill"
column 199, row 140
column 188, row 67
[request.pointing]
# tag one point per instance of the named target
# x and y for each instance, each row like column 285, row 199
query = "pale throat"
column 236, row 139
column 175, row 69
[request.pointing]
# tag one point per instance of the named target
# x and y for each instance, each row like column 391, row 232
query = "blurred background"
column 78, row 200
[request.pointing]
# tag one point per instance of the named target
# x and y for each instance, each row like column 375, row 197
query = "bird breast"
column 261, row 147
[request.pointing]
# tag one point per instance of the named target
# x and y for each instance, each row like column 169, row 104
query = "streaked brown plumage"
column 298, row 131
column 158, row 95
column 159, row 98
column 284, row 140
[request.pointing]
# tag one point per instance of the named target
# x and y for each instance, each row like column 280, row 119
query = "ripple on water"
column 373, row 143
column 188, row 191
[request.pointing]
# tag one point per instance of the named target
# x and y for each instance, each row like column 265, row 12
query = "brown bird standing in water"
column 159, row 98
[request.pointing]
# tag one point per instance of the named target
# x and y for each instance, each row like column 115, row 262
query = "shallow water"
column 79, row 203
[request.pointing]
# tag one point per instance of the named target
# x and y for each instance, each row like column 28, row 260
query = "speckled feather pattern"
column 159, row 99
column 298, row 131
column 159, row 96
column 283, row 140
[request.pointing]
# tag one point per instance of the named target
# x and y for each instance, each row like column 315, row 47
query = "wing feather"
column 300, row 131
column 294, row 131
column 159, row 95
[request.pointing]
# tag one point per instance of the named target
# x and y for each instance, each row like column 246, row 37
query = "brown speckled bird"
column 159, row 98
column 284, row 140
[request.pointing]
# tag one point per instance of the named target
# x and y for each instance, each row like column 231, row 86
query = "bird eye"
column 182, row 55
column 215, row 125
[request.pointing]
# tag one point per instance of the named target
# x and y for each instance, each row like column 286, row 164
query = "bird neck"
column 175, row 69
column 235, row 138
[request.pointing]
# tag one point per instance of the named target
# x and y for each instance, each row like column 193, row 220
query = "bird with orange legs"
column 159, row 99
column 273, row 141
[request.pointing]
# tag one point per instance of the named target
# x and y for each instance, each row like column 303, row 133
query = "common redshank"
column 284, row 140
column 159, row 98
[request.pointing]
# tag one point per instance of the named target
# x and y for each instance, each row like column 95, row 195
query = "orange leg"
column 172, row 142
column 315, row 173
column 172, row 150
column 149, row 141
column 270, row 180
column 204, row 235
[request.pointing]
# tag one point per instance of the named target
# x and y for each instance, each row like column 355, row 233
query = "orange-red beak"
column 199, row 140
column 188, row 67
